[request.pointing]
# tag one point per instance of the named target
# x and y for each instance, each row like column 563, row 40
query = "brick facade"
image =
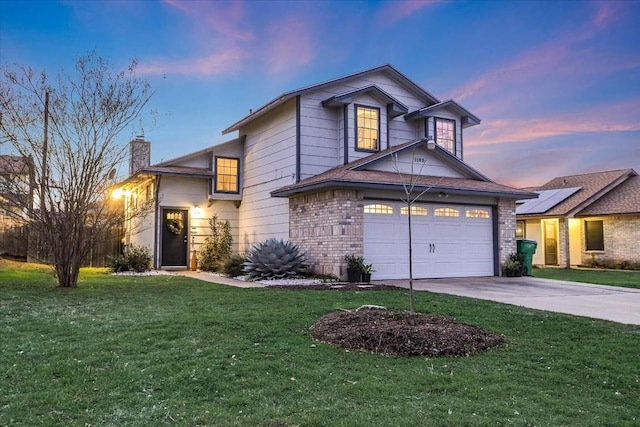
column 506, row 230
column 621, row 240
column 327, row 226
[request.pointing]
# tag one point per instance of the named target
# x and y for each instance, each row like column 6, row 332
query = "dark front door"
column 174, row 237
column 550, row 242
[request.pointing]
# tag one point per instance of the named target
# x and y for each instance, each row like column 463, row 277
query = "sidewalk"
column 206, row 277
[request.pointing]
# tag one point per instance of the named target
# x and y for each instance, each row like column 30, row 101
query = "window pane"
column 378, row 209
column 447, row 212
column 445, row 134
column 226, row 175
column 415, row 210
column 367, row 128
column 594, row 234
column 477, row 213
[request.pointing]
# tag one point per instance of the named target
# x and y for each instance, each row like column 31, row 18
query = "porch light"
column 431, row 144
column 117, row 194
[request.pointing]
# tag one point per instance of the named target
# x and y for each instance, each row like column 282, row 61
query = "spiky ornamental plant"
column 274, row 259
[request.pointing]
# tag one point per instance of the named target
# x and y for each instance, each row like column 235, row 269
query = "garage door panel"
column 443, row 246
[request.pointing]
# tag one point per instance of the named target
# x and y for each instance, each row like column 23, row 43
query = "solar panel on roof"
column 545, row 201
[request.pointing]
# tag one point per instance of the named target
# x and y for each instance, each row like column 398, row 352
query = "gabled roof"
column 389, row 69
column 195, row 154
column 354, row 175
column 593, row 187
column 468, row 119
column 397, row 108
column 439, row 152
column 624, row 199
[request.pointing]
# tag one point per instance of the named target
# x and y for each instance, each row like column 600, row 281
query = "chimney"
column 139, row 154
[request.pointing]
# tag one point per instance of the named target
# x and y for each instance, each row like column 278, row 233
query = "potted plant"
column 354, row 267
column 513, row 266
column 367, row 269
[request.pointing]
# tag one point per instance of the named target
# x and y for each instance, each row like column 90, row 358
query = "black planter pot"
column 354, row 275
column 366, row 277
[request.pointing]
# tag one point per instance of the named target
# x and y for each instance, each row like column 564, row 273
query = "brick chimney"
column 139, row 154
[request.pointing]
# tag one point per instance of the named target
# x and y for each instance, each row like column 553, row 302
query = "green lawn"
column 153, row 351
column 628, row 279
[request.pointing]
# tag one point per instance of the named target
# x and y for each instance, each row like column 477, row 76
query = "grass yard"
column 624, row 278
column 166, row 350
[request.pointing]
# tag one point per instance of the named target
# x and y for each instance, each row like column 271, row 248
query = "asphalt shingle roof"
column 598, row 192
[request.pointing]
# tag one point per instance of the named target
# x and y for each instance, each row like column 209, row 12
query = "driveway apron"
column 597, row 301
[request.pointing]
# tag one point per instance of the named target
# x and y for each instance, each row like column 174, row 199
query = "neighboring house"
column 589, row 219
column 16, row 198
column 321, row 166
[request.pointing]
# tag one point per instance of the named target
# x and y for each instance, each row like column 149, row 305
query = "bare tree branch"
column 87, row 113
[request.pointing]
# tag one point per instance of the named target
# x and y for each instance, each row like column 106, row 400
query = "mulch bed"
column 400, row 333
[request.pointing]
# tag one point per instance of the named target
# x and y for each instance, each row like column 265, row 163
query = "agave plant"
column 274, row 259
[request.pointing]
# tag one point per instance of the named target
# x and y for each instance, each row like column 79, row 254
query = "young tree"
column 412, row 192
column 67, row 127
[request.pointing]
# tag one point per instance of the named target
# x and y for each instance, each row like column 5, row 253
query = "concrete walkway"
column 597, row 301
column 206, row 277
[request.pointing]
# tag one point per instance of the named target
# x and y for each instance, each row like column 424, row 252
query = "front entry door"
column 174, row 237
column 550, row 243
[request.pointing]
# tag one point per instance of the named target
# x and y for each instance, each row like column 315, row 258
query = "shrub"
column 233, row 266
column 135, row 258
column 216, row 248
column 274, row 259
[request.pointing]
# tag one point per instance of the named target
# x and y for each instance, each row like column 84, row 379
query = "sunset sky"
column 555, row 83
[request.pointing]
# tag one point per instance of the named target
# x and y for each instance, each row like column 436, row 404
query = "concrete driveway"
column 597, row 301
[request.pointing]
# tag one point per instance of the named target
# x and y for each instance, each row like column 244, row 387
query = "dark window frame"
column 594, row 235
column 379, row 142
column 435, row 133
column 215, row 179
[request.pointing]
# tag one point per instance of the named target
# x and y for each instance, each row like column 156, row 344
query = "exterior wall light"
column 431, row 144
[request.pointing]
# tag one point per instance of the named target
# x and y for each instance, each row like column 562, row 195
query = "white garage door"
column 447, row 240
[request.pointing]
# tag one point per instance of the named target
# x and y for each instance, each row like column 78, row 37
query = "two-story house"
column 327, row 167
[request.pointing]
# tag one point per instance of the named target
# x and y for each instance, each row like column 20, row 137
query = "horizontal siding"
column 431, row 166
column 270, row 163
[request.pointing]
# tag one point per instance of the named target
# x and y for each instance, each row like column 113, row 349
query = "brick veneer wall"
column 327, row 226
column 506, row 230
column 621, row 240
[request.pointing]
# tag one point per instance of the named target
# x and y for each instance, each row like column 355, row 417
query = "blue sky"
column 556, row 83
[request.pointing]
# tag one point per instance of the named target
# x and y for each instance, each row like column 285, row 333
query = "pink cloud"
column 215, row 64
column 560, row 56
column 620, row 117
column 395, row 11
column 290, row 45
column 224, row 18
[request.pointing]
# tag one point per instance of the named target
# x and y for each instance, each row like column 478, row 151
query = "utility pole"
column 45, row 148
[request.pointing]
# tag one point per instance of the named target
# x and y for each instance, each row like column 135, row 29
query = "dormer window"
column 367, row 128
column 446, row 134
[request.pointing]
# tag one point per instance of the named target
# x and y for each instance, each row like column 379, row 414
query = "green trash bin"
column 526, row 249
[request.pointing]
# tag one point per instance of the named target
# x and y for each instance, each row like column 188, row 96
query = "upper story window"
column 446, row 134
column 367, row 128
column 227, row 175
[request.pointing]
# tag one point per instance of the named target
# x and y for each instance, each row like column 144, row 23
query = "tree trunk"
column 67, row 274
